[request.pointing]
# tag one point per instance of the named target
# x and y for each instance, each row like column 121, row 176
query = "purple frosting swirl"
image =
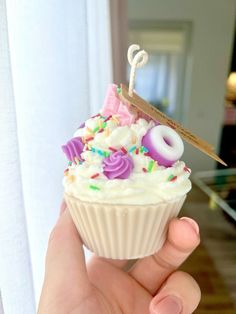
column 118, row 166
column 73, row 148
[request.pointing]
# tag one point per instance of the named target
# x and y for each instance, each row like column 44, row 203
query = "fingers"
column 63, row 207
column 116, row 263
column 179, row 295
column 65, row 271
column 182, row 239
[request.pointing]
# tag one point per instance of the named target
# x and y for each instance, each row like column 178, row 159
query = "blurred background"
column 57, row 58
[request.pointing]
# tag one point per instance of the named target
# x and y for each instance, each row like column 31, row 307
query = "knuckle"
column 163, row 263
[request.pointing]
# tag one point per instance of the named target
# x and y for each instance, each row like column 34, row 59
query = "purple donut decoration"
column 118, row 166
column 164, row 145
column 73, row 148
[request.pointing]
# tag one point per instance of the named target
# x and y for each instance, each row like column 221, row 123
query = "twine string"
column 135, row 62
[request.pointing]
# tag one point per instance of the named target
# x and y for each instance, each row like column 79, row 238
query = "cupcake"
column 125, row 180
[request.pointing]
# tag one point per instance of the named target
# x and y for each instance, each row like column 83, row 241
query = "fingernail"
column 193, row 223
column 169, row 305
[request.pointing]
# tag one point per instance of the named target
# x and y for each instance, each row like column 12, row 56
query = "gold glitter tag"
column 157, row 115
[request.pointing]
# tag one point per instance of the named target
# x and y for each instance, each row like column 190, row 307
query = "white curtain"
column 53, row 76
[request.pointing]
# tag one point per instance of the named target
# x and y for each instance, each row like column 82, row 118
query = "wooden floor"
column 213, row 264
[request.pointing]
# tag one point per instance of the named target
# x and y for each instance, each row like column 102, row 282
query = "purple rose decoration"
column 118, row 166
column 73, row 148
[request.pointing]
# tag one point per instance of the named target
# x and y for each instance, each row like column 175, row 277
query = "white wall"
column 213, row 26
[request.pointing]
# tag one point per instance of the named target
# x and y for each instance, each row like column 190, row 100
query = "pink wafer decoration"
column 113, row 106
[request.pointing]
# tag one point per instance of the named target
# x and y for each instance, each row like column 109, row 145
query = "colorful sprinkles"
column 108, row 118
column 133, row 148
column 187, row 169
column 118, row 89
column 123, row 150
column 150, row 165
column 96, row 129
column 94, row 187
column 89, row 138
column 100, row 152
column 112, row 149
column 171, row 178
column 94, row 176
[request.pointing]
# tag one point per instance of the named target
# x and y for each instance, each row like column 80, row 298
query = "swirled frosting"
column 118, row 165
column 73, row 148
column 114, row 167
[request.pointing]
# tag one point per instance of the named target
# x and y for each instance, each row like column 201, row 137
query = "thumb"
column 65, row 270
column 179, row 294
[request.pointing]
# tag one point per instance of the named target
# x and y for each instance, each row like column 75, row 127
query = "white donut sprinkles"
column 164, row 145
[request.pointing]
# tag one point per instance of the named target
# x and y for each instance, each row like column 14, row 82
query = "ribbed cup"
column 123, row 231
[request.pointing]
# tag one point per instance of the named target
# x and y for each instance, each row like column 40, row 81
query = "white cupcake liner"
column 123, row 231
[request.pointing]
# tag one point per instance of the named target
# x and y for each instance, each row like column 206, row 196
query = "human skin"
column 102, row 286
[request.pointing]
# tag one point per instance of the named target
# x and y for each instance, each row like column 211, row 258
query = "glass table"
column 220, row 186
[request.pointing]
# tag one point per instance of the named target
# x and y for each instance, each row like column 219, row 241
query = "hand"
column 152, row 285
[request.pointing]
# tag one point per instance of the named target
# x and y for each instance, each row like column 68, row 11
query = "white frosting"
column 140, row 187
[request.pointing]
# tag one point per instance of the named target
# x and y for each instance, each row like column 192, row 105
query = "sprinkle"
column 154, row 166
column 107, row 154
column 145, row 149
column 123, row 150
column 115, row 118
column 150, row 165
column 134, row 139
column 172, row 178
column 144, row 170
column 118, row 89
column 71, row 178
column 104, row 125
column 96, row 129
column 97, row 115
column 89, row 138
column 76, row 160
column 107, row 132
column 100, row 152
column 94, row 187
column 141, row 149
column 89, row 130
column 94, row 176
column 137, row 151
column 100, row 124
column 146, row 154
column 101, row 130
column 112, row 149
column 187, row 169
column 132, row 149
column 108, row 118
column 70, row 163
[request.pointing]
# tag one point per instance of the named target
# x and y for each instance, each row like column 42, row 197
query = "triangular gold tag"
column 157, row 115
